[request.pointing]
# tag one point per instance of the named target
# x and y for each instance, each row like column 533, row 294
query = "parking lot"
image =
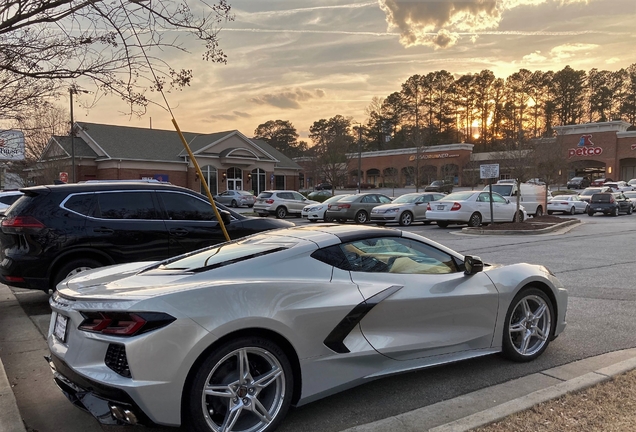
column 593, row 260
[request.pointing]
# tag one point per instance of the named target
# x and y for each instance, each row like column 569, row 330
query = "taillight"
column 123, row 323
column 22, row 222
column 456, row 206
column 612, row 201
column 270, row 201
column 564, row 203
column 343, row 206
column 428, row 207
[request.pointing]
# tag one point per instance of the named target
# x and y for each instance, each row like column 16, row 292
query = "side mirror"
column 507, row 201
column 472, row 264
column 225, row 216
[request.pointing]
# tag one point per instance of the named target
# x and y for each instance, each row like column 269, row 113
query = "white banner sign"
column 489, row 171
column 11, row 145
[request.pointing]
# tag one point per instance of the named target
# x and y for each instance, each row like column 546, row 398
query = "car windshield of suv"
column 458, row 196
column 504, row 190
column 408, row 198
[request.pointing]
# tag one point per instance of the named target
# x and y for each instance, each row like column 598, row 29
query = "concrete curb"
column 480, row 231
column 552, row 383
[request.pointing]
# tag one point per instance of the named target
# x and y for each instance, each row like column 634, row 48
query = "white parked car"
column 281, row 203
column 567, row 204
column 7, row 198
column 405, row 209
column 316, row 212
column 620, row 186
column 472, row 208
column 632, row 197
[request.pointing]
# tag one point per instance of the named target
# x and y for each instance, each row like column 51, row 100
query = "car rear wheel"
column 234, row 204
column 550, row 212
column 539, row 212
column 406, row 218
column 281, row 212
column 572, row 210
column 590, row 213
column 328, row 219
column 615, row 212
column 475, row 220
column 630, row 210
column 361, row 217
column 528, row 325
column 74, row 267
column 244, row 385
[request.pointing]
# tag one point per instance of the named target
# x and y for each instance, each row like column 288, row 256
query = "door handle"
column 179, row 231
column 103, row 230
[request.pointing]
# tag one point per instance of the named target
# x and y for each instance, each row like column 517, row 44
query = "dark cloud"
column 423, row 22
column 288, row 99
column 230, row 117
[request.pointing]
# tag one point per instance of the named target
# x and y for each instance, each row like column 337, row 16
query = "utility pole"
column 71, row 91
column 359, row 155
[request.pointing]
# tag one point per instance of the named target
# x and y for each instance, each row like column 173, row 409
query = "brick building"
column 228, row 160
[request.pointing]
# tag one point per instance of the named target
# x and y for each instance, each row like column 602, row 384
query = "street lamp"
column 71, row 91
column 359, row 154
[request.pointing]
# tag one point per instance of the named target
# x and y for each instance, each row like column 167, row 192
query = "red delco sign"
column 585, row 148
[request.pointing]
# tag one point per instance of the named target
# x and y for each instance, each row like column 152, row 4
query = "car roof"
column 105, row 186
column 325, row 233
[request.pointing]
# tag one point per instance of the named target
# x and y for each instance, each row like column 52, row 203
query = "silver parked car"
column 316, row 212
column 405, row 209
column 212, row 339
column 281, row 203
column 236, row 198
column 356, row 207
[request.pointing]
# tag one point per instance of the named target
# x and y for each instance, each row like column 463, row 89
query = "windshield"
column 588, row 192
column 334, row 199
column 504, row 190
column 458, row 196
column 408, row 198
column 244, row 193
column 576, row 178
column 630, row 194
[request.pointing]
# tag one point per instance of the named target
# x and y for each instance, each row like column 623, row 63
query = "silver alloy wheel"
column 475, row 220
column 244, row 391
column 406, row 219
column 530, row 324
column 361, row 217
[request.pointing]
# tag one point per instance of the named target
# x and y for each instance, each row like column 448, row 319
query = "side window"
column 369, row 199
column 180, row 206
column 126, row 205
column 81, row 203
column 384, row 200
column 397, row 255
column 498, row 199
column 484, row 197
column 297, row 196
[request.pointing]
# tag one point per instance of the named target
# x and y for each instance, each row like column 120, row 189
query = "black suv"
column 610, row 204
column 55, row 231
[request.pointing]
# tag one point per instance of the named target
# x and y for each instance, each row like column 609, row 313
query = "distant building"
column 228, row 160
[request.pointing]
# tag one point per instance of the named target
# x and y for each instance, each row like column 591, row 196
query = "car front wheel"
column 243, row 385
column 406, row 218
column 528, row 325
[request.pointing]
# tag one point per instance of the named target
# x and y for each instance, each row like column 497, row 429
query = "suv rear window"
column 265, row 195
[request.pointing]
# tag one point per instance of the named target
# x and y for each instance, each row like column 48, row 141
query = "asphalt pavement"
column 23, row 345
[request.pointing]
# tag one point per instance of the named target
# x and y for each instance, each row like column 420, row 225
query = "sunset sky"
column 302, row 60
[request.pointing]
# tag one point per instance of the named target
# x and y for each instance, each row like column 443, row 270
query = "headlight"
column 395, row 210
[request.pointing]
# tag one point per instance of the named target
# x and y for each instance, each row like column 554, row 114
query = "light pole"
column 359, row 155
column 71, row 91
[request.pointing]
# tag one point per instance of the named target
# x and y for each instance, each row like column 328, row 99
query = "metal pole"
column 359, row 156
column 70, row 91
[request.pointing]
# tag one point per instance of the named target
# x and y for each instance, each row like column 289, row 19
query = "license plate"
column 60, row 327
column 440, row 207
column 598, row 208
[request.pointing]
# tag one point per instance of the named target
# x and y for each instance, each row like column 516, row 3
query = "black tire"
column 406, row 218
column 380, row 223
column 250, row 205
column 590, row 213
column 512, row 346
column 630, row 210
column 539, row 212
column 262, row 214
column 615, row 212
column 281, row 212
column 550, row 212
column 328, row 219
column 442, row 224
column 427, row 222
column 474, row 220
column 361, row 217
column 313, row 220
column 572, row 210
column 261, row 357
column 73, row 267
column 234, row 204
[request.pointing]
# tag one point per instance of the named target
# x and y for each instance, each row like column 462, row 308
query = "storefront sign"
column 434, row 156
column 585, row 148
column 11, row 145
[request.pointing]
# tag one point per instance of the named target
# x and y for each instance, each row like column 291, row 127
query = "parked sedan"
column 356, row 207
column 632, row 197
column 472, row 208
column 316, row 212
column 236, row 198
column 405, row 209
column 229, row 337
column 610, row 204
column 567, row 204
column 600, row 181
column 586, row 194
column 619, row 186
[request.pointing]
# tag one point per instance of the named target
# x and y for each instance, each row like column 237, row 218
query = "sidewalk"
column 460, row 414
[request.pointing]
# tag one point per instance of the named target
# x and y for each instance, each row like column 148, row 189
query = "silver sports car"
column 228, row 337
